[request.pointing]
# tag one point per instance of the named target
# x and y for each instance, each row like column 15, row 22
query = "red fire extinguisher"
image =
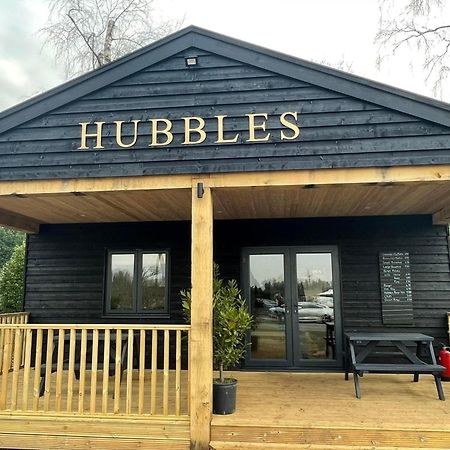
column 444, row 360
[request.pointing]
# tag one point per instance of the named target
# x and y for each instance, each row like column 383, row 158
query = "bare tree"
column 421, row 26
column 87, row 34
column 342, row 64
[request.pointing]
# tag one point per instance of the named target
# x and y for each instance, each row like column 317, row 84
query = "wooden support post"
column 201, row 317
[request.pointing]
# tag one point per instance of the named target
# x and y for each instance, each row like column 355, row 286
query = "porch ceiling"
column 370, row 199
column 129, row 206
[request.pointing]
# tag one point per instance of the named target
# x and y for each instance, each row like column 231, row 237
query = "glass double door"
column 293, row 294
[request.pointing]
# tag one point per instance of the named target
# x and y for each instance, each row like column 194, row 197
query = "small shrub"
column 231, row 321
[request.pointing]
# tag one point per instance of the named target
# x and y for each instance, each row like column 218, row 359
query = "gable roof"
column 192, row 36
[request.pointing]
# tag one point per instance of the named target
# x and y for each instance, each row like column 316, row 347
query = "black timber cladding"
column 344, row 122
column 66, row 268
column 65, row 264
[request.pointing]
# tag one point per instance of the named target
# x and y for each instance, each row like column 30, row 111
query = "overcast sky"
column 319, row 30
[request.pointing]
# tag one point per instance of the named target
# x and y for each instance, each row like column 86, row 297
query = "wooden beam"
column 200, row 352
column 319, row 177
column 18, row 222
column 403, row 174
column 442, row 217
column 87, row 185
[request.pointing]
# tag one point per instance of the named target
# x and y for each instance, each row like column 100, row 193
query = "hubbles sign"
column 194, row 132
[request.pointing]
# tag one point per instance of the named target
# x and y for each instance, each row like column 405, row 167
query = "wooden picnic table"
column 360, row 346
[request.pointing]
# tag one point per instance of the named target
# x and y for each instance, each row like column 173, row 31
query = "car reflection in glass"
column 307, row 312
column 314, row 312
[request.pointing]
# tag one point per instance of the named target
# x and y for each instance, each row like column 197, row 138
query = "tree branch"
column 417, row 24
column 87, row 33
column 82, row 35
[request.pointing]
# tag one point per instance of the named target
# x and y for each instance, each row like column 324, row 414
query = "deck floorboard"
column 297, row 409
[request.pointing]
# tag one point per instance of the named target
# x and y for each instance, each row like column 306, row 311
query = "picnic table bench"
column 359, row 346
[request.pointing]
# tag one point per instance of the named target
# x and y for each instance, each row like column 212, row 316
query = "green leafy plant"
column 9, row 239
column 231, row 321
column 11, row 281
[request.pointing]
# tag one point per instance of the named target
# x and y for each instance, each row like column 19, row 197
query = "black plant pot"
column 224, row 396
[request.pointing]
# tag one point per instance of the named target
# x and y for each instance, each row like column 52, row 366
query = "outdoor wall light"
column 200, row 190
column 191, row 61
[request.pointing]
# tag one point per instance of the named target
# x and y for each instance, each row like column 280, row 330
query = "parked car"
column 314, row 312
column 277, row 312
column 327, row 293
column 326, row 298
column 307, row 312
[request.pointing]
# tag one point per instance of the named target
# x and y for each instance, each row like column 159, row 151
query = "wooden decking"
column 275, row 411
column 303, row 410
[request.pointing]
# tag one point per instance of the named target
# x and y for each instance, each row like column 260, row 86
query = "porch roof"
column 313, row 193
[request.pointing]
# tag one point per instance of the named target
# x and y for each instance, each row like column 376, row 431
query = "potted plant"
column 231, row 321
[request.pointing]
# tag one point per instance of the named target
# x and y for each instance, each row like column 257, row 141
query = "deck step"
column 68, row 432
column 57, row 442
column 289, row 436
column 217, row 445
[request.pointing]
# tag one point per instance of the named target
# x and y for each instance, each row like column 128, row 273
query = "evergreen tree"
column 8, row 241
column 12, row 281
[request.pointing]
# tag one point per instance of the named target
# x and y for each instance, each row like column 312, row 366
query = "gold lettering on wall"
column 191, row 130
column 220, row 133
column 119, row 133
column 252, row 127
column 165, row 131
column 188, row 130
column 292, row 126
column 85, row 135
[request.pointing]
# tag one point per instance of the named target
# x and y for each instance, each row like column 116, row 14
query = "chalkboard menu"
column 396, row 293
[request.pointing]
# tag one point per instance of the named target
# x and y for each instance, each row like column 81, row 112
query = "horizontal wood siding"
column 336, row 130
column 359, row 241
column 65, row 268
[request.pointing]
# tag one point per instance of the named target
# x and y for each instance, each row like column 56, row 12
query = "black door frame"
column 290, row 272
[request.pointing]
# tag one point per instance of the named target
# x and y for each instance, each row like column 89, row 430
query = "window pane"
column 122, row 278
column 153, row 281
column 315, row 306
column 267, row 291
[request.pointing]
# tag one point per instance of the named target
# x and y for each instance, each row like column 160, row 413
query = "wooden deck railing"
column 19, row 317
column 95, row 369
column 11, row 318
